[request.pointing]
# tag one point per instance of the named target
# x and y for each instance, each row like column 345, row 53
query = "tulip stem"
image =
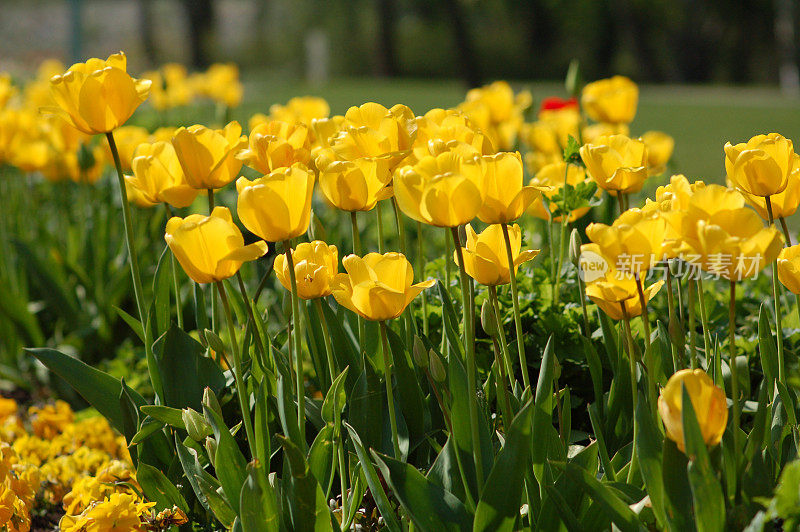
column 387, row 364
column 469, row 348
column 401, row 237
column 298, row 343
column 152, row 366
column 447, row 280
column 336, row 411
column 776, row 298
column 620, row 202
column 241, row 389
column 176, row 285
column 421, row 273
column 652, row 394
column 248, row 305
column 634, row 387
column 379, row 216
column 677, row 359
column 506, row 362
column 734, row 381
column 701, row 297
column 357, row 251
column 210, row 192
column 786, row 232
column 562, row 240
column 692, row 324
column 523, row 363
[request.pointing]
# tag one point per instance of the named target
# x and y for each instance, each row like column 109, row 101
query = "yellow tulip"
column 505, row 197
column 617, row 163
column 158, row 177
column 7, row 89
column 612, row 100
column 315, row 266
column 497, row 112
column 542, row 137
column 485, row 258
column 593, row 132
column 372, row 130
column 725, row 238
column 762, row 165
column 275, row 144
column 564, row 122
column 301, row 109
column 356, row 185
column 171, row 87
column 98, row 96
column 127, row 139
column 444, row 190
column 277, row 206
column 708, row 402
column 9, row 126
column 210, row 248
column 659, row 151
column 634, row 241
column 671, row 203
column 612, row 289
column 377, row 287
column 784, row 204
column 207, row 156
column 550, row 179
column 220, row 83
column 439, row 126
column 789, row 268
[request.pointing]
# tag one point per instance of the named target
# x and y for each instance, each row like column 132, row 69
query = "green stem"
column 379, row 216
column 562, row 240
column 175, row 284
column 421, row 273
column 248, row 305
column 298, row 344
column 506, row 358
column 701, row 297
column 214, row 324
column 408, row 320
column 587, row 331
column 677, row 360
column 523, row 362
column 241, row 388
column 777, row 300
column 634, row 388
column 469, row 348
column 734, row 380
column 357, row 251
column 652, row 393
column 620, row 202
column 152, row 366
column 339, row 443
column 692, row 325
column 387, row 365
column 448, row 266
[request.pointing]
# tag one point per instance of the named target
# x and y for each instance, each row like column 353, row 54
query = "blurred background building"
column 673, row 41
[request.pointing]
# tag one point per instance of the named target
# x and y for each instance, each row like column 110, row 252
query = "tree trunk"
column 387, row 52
column 464, row 45
column 201, row 21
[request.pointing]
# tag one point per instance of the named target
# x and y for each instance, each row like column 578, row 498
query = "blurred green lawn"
column 701, row 119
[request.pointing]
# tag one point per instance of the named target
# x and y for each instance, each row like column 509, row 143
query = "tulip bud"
column 211, row 449
column 286, row 304
column 488, row 321
column 420, row 358
column 574, row 80
column 214, row 341
column 436, row 367
column 575, row 248
column 210, row 401
column 196, row 425
column 86, row 160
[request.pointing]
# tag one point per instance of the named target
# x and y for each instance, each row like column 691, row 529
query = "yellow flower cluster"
column 173, row 86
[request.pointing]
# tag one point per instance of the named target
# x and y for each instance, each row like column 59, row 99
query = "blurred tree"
column 201, row 23
column 387, row 52
column 146, row 29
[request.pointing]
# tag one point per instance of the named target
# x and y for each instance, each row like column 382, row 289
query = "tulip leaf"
column 261, row 424
column 345, row 351
column 429, row 506
column 320, row 458
column 147, row 428
column 162, row 281
column 185, row 369
column 366, row 406
column 444, row 471
column 543, row 410
column 159, row 489
column 206, row 488
column 336, row 396
column 412, row 401
column 308, row 507
column 99, row 389
column 374, row 482
column 200, row 310
column 169, row 416
column 498, row 508
column 258, row 508
column 766, row 345
column 449, row 320
column 595, row 370
column 648, row 449
column 133, row 323
column 231, row 465
column 709, row 502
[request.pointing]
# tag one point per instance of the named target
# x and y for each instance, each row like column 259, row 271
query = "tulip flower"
column 277, row 206
column 444, row 190
column 274, row 145
column 611, row 100
column 485, row 255
column 210, row 248
column 377, row 287
column 300, row 110
column 762, row 165
column 220, row 83
column 708, row 402
column 505, row 197
column 7, row 89
column 158, row 176
column 789, row 268
column 614, row 287
column 550, row 179
column 441, row 127
column 315, row 265
column 497, row 111
column 659, row 151
column 634, row 241
column 372, row 130
column 784, row 204
column 356, row 185
column 98, row 96
column 617, row 163
column 207, row 156
column 171, row 87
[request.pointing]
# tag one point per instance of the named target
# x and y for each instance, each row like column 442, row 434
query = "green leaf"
column 147, row 428
column 133, row 323
column 100, row 389
column 543, row 411
column 677, row 492
column 320, row 458
column 498, row 508
column 412, row 401
column 169, row 416
column 709, row 502
column 261, row 425
column 766, row 345
column 450, row 319
column 336, row 395
column 308, row 506
column 206, row 488
column 344, row 349
column 162, row 280
column 185, row 369
column 595, row 370
column 365, row 407
column 258, row 508
column 648, row 448
column 159, row 489
column 374, row 482
column 619, row 512
column 429, row 506
column 230, row 463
